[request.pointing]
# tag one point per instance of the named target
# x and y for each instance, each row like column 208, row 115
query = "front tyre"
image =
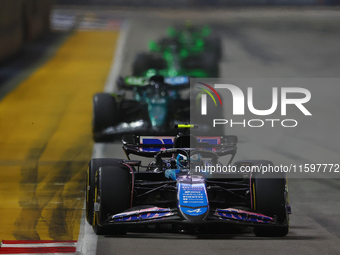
column 93, row 167
column 105, row 114
column 113, row 195
column 270, row 198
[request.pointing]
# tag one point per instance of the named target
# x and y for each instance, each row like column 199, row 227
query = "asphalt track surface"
column 257, row 43
column 271, row 44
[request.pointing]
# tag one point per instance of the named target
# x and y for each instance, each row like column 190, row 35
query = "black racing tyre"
column 141, row 64
column 210, row 63
column 192, row 62
column 113, row 196
column 254, row 162
column 94, row 165
column 270, row 198
column 158, row 63
column 214, row 44
column 105, row 113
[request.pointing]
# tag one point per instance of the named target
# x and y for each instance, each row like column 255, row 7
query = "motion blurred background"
column 55, row 54
column 25, row 20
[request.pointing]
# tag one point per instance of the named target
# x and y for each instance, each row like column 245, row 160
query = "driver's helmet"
column 181, row 161
column 156, row 80
column 156, row 87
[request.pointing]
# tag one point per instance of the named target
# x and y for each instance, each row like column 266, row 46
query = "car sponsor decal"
column 192, row 199
column 142, row 81
column 194, row 212
column 135, row 80
column 236, row 214
column 143, row 214
column 168, row 142
column 179, row 80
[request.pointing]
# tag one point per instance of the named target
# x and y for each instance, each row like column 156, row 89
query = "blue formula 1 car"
column 156, row 105
column 171, row 190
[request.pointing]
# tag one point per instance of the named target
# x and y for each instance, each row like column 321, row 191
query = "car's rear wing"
column 130, row 82
column 149, row 146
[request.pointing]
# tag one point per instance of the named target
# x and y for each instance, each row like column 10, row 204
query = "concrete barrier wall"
column 20, row 21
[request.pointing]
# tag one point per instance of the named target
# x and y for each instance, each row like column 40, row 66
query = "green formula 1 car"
column 186, row 51
column 157, row 104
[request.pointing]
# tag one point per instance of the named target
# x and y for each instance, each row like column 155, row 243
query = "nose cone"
column 193, row 202
column 157, row 116
column 158, row 112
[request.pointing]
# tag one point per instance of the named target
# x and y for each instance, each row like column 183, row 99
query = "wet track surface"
column 51, row 155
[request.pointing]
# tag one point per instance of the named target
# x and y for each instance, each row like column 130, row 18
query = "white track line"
column 98, row 150
column 117, row 58
column 87, row 240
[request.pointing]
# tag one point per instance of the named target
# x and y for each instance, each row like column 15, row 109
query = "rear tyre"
column 141, row 64
column 214, row 44
column 210, row 63
column 113, row 196
column 105, row 114
column 270, row 198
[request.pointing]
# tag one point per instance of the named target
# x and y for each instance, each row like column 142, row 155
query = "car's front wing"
column 156, row 215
